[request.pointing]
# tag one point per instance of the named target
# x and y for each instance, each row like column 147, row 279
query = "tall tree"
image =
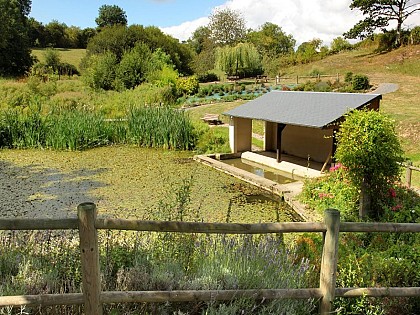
column 110, row 15
column 270, row 39
column 379, row 13
column 241, row 59
column 227, row 27
column 204, row 48
column 15, row 53
column 56, row 34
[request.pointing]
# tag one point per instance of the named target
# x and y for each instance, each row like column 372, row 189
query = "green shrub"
column 334, row 190
column 212, row 140
column 370, row 149
column 415, row 36
column 133, row 67
column 101, row 71
column 340, row 44
column 348, row 77
column 207, row 77
column 187, row 85
column 360, row 82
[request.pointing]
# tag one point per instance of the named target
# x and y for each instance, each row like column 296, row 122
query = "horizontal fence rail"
column 93, row 297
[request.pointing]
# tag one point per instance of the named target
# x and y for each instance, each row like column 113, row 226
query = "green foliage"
column 378, row 16
column 369, row 148
column 187, row 85
column 340, row 44
column 133, row 67
column 208, row 77
column 15, row 54
column 110, row 15
column 415, row 36
column 334, row 190
column 212, row 140
column 308, row 51
column 52, row 58
column 160, row 127
column 78, row 130
column 360, row 82
column 227, row 27
column 101, row 72
column 241, row 59
column 270, row 40
column 348, row 77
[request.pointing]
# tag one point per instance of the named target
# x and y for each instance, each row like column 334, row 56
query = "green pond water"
column 128, row 182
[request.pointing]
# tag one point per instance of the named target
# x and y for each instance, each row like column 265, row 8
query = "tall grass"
column 77, row 130
column 66, row 129
column 160, row 127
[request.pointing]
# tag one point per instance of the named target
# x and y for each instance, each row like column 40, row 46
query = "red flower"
column 392, row 193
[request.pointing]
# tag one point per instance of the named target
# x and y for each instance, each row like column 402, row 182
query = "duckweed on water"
column 128, row 182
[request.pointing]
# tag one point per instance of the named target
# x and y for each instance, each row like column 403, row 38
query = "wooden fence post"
column 89, row 252
column 408, row 172
column 328, row 272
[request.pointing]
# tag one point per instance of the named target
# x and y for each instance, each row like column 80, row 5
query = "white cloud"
column 304, row 19
column 184, row 30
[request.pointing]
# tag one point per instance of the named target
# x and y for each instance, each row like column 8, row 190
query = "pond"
column 129, row 182
column 266, row 172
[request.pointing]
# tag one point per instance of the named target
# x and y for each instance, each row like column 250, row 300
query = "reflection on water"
column 271, row 174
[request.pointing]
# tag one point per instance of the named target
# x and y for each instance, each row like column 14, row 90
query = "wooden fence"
column 409, row 168
column 87, row 223
column 298, row 78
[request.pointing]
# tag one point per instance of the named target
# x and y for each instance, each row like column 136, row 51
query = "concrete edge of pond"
column 287, row 192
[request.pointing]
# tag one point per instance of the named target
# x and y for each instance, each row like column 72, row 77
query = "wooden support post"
column 89, row 252
column 408, row 172
column 297, row 79
column 280, row 128
column 328, row 272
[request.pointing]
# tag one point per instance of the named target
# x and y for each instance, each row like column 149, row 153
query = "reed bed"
column 156, row 127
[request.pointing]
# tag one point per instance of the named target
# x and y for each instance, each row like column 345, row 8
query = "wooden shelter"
column 298, row 124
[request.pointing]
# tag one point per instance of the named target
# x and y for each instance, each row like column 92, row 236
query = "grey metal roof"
column 311, row 109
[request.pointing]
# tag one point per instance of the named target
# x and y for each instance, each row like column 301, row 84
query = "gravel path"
column 384, row 88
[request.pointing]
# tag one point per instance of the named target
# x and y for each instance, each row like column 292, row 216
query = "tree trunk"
column 364, row 201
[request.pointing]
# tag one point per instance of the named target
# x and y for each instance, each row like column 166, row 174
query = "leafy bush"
column 340, row 44
column 334, row 190
column 348, row 77
column 208, row 77
column 212, row 140
column 101, row 71
column 360, row 82
column 133, row 67
column 187, row 85
column 415, row 36
column 369, row 148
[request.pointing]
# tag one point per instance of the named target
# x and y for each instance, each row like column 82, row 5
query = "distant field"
column 72, row 56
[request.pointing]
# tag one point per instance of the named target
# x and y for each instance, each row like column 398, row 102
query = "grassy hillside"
column 401, row 66
column 71, row 56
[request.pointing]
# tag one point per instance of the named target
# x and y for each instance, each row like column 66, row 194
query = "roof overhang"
column 309, row 109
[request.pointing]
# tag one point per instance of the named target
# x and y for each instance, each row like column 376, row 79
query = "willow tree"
column 239, row 60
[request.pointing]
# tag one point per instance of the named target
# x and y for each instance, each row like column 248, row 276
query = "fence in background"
column 92, row 297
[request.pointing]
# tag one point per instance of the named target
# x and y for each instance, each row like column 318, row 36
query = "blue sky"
column 304, row 19
column 162, row 13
